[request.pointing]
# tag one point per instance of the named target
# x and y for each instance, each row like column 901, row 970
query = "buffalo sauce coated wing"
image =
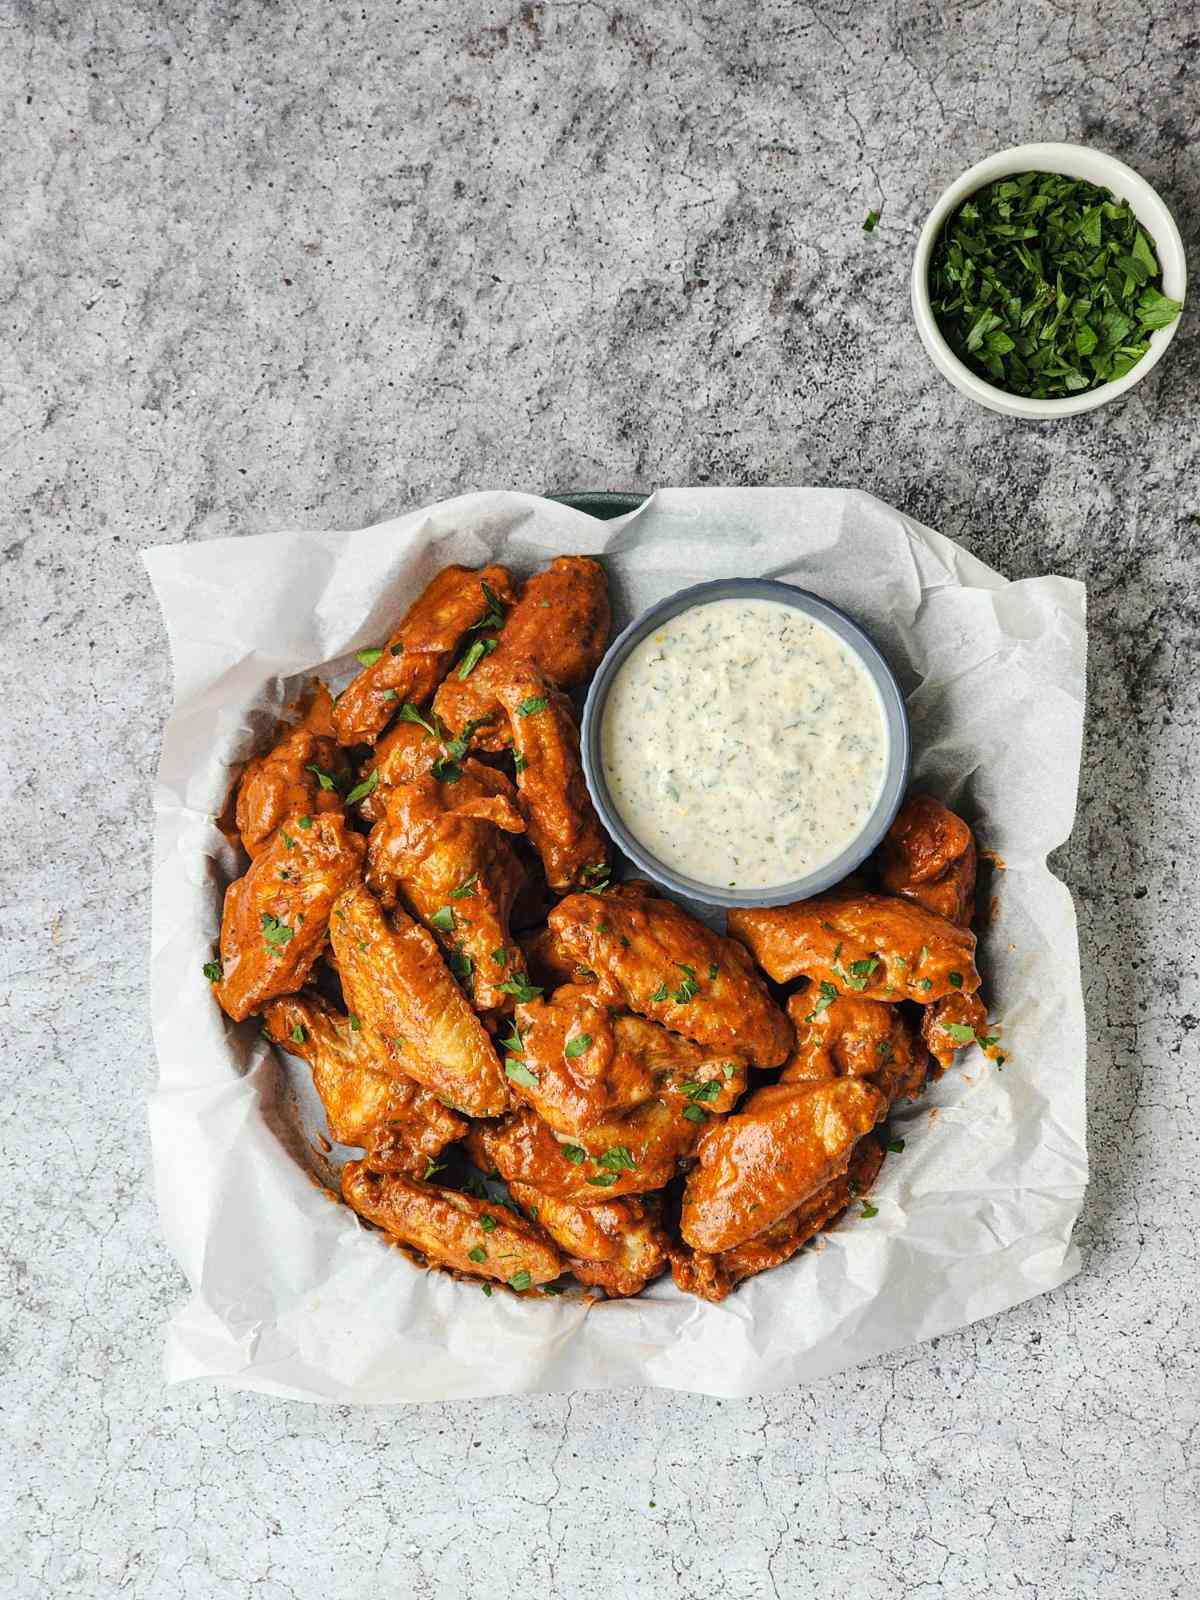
column 853, row 1038
column 563, row 826
column 298, row 777
column 443, row 847
column 451, row 1229
column 559, row 626
column 711, row 1277
column 953, row 1023
column 757, row 1166
column 617, row 1245
column 929, row 856
column 396, row 983
column 276, row 919
column 405, row 752
column 651, row 956
column 418, row 654
column 875, row 945
column 579, row 1066
column 357, row 1075
column 630, row 1155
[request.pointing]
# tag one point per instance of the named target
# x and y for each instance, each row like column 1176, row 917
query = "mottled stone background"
column 311, row 264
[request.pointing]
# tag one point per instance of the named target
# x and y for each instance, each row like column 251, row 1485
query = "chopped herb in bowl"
column 1046, row 285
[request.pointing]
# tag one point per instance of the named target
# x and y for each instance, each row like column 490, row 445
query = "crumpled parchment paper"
column 291, row 1296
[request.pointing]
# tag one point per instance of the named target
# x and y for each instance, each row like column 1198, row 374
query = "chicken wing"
column 955, row 1022
column 631, row 1155
column 560, row 625
column 276, row 919
column 870, row 944
column 853, row 1038
column 453, row 1230
column 711, row 1277
column 757, row 1166
column 563, row 825
column 579, row 1066
column 929, row 856
column 301, row 776
column 651, row 956
column 443, row 846
column 404, row 753
column 418, row 654
column 396, row 982
column 618, row 1245
column 357, row 1075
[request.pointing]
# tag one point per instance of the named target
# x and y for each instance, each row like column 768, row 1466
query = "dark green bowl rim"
column 602, row 503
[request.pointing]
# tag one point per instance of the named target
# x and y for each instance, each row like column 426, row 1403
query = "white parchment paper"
column 291, row 1296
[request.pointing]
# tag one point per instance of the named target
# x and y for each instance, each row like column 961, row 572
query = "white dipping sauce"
column 744, row 745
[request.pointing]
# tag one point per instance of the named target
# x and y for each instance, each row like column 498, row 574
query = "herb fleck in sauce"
column 744, row 744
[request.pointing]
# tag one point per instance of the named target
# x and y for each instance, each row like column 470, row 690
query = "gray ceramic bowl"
column 850, row 633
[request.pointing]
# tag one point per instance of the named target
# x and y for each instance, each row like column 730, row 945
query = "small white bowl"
column 1074, row 161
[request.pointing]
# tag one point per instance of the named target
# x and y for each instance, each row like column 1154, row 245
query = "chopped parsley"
column 432, row 1167
column 520, row 762
column 389, row 694
column 826, row 995
column 520, row 1073
column 477, row 1254
column 460, row 964
column 325, row 779
column 576, row 1046
column 212, row 971
column 693, row 1113
column 397, row 649
column 708, row 1090
column 288, row 841
column 298, row 1033
column 306, row 822
column 713, row 969
column 446, row 771
column 487, row 1289
column 355, row 1023
column 479, row 649
column 519, row 1281
column 869, row 224
column 515, row 1043
column 601, row 1180
column 367, row 658
column 868, row 1210
column 528, row 708
column 443, row 920
column 487, row 1222
column 1046, row 285
column 467, row 889
column 275, row 934
column 493, row 616
column 617, row 1159
column 960, row 1032
column 574, row 1153
column 520, row 988
column 363, row 789
column 410, row 713
column 660, row 994
column 858, row 974
column 926, row 984
column 500, row 957
column 954, row 979
column 896, row 1144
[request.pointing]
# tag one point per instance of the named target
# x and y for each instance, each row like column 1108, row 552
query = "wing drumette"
column 299, row 777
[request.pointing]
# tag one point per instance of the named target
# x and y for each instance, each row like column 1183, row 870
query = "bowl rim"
column 1073, row 160
column 851, row 633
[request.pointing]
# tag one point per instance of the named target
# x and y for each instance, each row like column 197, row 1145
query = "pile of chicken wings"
column 548, row 1071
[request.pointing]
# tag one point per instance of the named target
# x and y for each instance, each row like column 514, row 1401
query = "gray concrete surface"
column 313, row 264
